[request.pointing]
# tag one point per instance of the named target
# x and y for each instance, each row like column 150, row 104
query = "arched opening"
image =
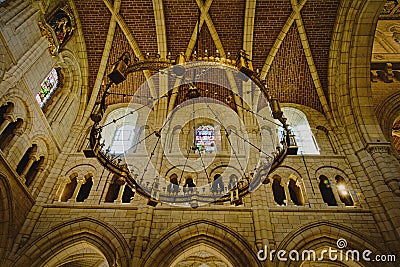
column 120, row 135
column 295, row 193
column 75, row 236
column 34, row 170
column 189, row 184
column 9, row 133
column 278, row 191
column 326, row 191
column 47, row 87
column 69, row 188
column 123, row 139
column 173, row 187
column 25, row 159
column 343, row 191
column 85, row 189
column 113, row 190
column 128, row 194
column 218, row 184
column 4, row 110
column 302, row 132
column 233, row 180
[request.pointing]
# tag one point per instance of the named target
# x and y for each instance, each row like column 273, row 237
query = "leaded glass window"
column 47, row 87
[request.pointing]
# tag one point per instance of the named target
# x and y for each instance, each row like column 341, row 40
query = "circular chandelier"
column 202, row 139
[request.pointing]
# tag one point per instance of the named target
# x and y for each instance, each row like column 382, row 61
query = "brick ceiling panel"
column 180, row 19
column 269, row 19
column 95, row 18
column 139, row 16
column 133, row 81
column 290, row 78
column 206, row 42
column 319, row 32
column 228, row 19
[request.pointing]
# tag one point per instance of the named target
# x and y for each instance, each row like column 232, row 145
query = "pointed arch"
column 228, row 242
column 104, row 237
column 318, row 234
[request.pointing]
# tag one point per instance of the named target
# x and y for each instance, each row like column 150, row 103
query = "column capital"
column 373, row 148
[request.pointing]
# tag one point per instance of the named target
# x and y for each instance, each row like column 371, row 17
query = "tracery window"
column 205, row 139
column 47, row 87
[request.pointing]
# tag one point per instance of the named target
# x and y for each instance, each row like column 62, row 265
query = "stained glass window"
column 205, row 139
column 47, row 88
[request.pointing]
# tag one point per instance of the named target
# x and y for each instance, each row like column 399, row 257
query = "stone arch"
column 22, row 109
column 278, row 190
column 332, row 172
column 78, row 170
column 104, row 237
column 225, row 170
column 178, row 171
column 350, row 86
column 200, row 253
column 287, row 174
column 6, row 217
column 62, row 109
column 174, row 133
column 229, row 243
column 318, row 234
column 388, row 113
column 69, row 188
column 44, row 159
column 80, row 253
column 299, row 123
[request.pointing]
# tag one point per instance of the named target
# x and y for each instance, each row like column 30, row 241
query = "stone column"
column 120, row 193
column 18, row 132
column 289, row 201
column 39, row 170
column 32, row 159
column 7, row 120
column 77, row 189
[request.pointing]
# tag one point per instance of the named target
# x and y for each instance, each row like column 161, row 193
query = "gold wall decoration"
column 58, row 28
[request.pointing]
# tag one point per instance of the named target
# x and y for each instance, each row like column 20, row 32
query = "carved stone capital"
column 373, row 148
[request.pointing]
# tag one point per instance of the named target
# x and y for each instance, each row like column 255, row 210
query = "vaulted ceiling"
column 288, row 40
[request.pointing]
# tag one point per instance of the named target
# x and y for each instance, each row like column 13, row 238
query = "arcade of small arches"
column 122, row 136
